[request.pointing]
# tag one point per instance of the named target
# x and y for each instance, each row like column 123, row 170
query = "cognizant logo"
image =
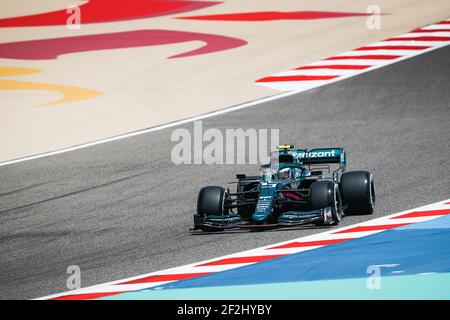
column 318, row 154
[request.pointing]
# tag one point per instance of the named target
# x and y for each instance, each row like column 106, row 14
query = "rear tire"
column 211, row 202
column 325, row 194
column 358, row 192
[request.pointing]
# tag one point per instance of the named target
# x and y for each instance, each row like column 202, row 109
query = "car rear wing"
column 322, row 156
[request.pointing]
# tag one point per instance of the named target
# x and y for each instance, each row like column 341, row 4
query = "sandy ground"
column 141, row 88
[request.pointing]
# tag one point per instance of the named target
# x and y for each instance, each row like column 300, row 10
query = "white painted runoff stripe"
column 375, row 55
column 331, row 236
column 292, row 87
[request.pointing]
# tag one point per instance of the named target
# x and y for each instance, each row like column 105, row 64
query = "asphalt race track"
column 123, row 208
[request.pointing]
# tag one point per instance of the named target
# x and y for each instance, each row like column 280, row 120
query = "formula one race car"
column 297, row 187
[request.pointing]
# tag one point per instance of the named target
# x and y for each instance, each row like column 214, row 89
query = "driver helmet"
column 285, row 174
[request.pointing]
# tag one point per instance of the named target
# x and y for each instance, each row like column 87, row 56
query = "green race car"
column 297, row 187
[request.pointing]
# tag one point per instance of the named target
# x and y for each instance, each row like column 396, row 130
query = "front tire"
column 358, row 192
column 211, row 202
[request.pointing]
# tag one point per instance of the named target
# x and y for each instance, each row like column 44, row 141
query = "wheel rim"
column 371, row 192
column 337, row 204
column 223, row 203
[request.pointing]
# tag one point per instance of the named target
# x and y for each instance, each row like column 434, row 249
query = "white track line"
column 152, row 129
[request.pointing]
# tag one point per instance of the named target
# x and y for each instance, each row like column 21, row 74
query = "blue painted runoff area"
column 414, row 261
column 425, row 287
